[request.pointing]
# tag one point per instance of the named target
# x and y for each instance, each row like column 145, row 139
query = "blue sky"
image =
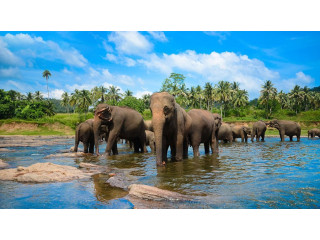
column 140, row 61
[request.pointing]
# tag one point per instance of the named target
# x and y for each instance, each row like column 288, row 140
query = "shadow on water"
column 270, row 174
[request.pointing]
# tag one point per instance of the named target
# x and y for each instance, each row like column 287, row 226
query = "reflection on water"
column 269, row 174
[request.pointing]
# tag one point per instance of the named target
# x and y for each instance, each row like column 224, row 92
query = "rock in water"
column 119, row 180
column 44, row 172
column 154, row 193
column 3, row 164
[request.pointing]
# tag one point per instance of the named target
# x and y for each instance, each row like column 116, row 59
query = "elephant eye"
column 166, row 110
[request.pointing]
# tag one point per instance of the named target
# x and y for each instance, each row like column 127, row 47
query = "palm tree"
column 199, row 95
column 241, row 98
column 65, row 101
column 146, row 100
column 282, row 98
column 46, row 74
column 38, row 96
column 223, row 94
column 268, row 92
column 114, row 94
column 29, row 96
column 128, row 93
column 296, row 95
column 208, row 92
column 99, row 93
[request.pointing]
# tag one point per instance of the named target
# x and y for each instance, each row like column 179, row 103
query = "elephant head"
column 217, row 121
column 102, row 115
column 274, row 123
column 163, row 109
column 246, row 130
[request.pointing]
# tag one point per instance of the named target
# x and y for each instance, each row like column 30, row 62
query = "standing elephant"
column 286, row 127
column 150, row 141
column 225, row 133
column 258, row 130
column 148, row 125
column 314, row 132
column 240, row 132
column 171, row 125
column 203, row 130
column 122, row 122
column 84, row 134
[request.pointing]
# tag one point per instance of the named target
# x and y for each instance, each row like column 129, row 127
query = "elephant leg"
column 152, row 146
column 206, row 147
column 111, row 141
column 91, row 146
column 282, row 136
column 298, row 137
column 185, row 147
column 179, row 147
column 291, row 138
column 143, row 143
column 115, row 149
column 262, row 136
column 85, row 146
column 214, row 144
column 258, row 137
column 196, row 150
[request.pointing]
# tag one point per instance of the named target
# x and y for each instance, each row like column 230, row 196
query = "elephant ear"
column 105, row 114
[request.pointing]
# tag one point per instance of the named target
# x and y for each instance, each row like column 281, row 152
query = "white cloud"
column 124, row 79
column 220, row 35
column 160, row 36
column 130, row 43
column 214, row 67
column 106, row 73
column 300, row 79
column 9, row 72
column 56, row 93
column 48, row 50
column 7, row 57
column 120, row 59
column 139, row 94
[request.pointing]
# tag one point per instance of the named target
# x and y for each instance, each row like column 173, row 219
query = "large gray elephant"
column 122, row 122
column 203, row 130
column 240, row 132
column 171, row 125
column 150, row 141
column 148, row 125
column 286, row 127
column 84, row 134
column 258, row 130
column 314, row 132
column 225, row 133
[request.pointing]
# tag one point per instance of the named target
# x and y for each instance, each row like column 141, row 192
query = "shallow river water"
column 269, row 174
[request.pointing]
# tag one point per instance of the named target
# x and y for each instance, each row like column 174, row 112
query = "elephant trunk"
column 96, row 132
column 158, row 126
column 76, row 141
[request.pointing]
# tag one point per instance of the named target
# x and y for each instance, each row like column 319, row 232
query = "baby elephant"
column 240, row 132
column 258, row 130
column 150, row 140
column 84, row 133
column 314, row 132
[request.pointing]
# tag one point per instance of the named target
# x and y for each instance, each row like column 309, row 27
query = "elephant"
column 225, row 133
column 148, row 125
column 240, row 132
column 314, row 132
column 122, row 122
column 171, row 125
column 286, row 127
column 258, row 130
column 203, row 130
column 84, row 133
column 150, row 140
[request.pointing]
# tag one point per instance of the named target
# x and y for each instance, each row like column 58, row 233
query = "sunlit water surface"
column 269, row 174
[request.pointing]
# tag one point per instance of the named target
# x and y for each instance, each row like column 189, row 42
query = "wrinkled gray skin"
column 203, row 130
column 122, row 122
column 150, row 141
column 240, row 132
column 286, row 127
column 225, row 133
column 84, row 134
column 171, row 125
column 148, row 125
column 258, row 130
column 314, row 132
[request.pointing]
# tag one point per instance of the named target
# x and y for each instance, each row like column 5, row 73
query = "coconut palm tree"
column 146, row 100
column 268, row 92
column 208, row 93
column 38, row 96
column 114, row 94
column 99, row 93
column 29, row 96
column 46, row 74
column 241, row 98
column 65, row 101
column 223, row 95
column 199, row 95
column 128, row 93
column 296, row 96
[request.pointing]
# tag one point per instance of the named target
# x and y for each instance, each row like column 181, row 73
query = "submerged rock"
column 153, row 193
column 6, row 150
column 93, row 168
column 3, row 164
column 68, row 154
column 46, row 172
column 119, row 180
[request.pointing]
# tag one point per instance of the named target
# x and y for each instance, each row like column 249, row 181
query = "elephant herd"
column 171, row 126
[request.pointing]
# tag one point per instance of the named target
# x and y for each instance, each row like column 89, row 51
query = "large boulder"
column 47, row 172
column 153, row 193
column 3, row 164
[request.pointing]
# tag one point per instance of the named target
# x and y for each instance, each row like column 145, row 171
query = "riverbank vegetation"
column 301, row 104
